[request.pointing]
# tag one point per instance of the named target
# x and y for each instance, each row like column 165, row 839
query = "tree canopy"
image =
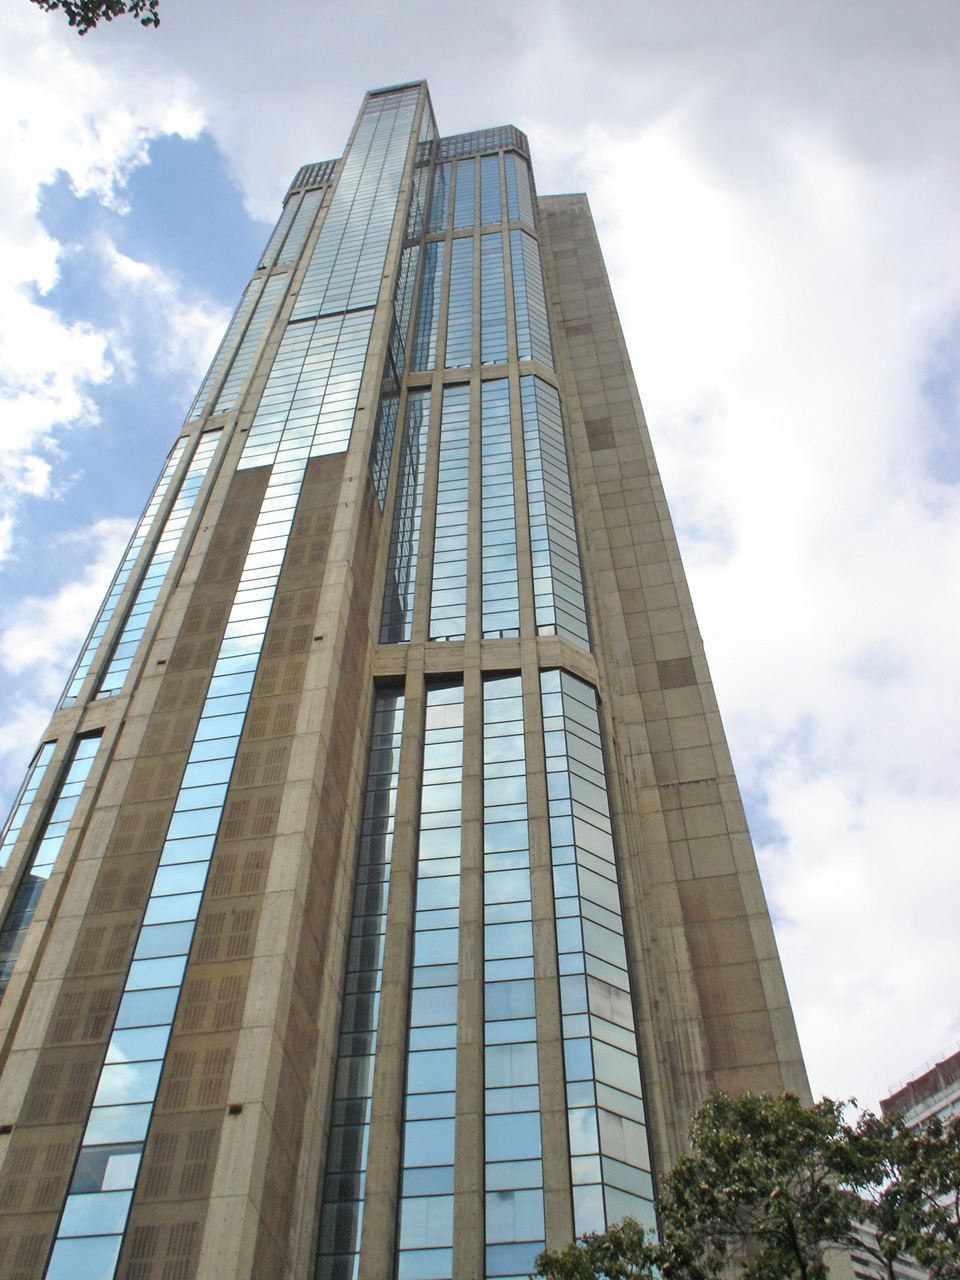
column 85, row 14
column 769, row 1186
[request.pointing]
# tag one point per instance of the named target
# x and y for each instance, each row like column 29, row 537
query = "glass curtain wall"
column 513, row 1169
column 24, row 902
column 343, row 1187
column 426, row 1195
column 609, row 1154
column 164, row 552
column 448, row 601
column 121, row 578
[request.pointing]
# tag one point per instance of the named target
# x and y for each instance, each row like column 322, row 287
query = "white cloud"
column 60, row 114
column 41, row 637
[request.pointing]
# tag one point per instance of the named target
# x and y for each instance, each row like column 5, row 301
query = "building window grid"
column 609, row 1153
column 519, row 190
column 346, row 266
column 23, row 903
column 341, row 1216
column 493, row 300
column 559, row 606
column 424, row 355
column 448, row 599
column 440, row 197
column 302, row 224
column 381, row 448
column 311, row 392
column 529, row 300
column 227, row 344
column 122, row 577
column 425, row 1242
column 398, row 595
column 278, row 235
column 242, row 361
column 500, row 592
column 513, row 1170
column 464, row 195
column 90, row 1232
column 25, row 798
column 490, row 212
column 158, row 566
column 459, row 346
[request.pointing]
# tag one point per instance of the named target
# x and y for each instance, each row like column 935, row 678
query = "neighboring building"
column 405, row 610
column 935, row 1091
column 867, row 1265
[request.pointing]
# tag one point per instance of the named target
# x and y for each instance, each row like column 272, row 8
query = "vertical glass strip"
column 122, row 576
column 557, row 579
column 303, row 397
column 381, row 448
column 341, row 1216
column 519, row 190
column 426, row 1193
column 160, row 562
column 278, row 235
column 489, row 190
column 96, row 1208
column 609, row 1153
column 234, row 329
column 513, row 1168
column 346, row 266
column 25, row 798
column 464, row 192
column 401, row 580
column 529, row 300
column 403, row 299
column 428, row 308
column 301, row 228
column 448, row 600
column 459, row 351
column 498, row 523
column 242, row 361
column 493, row 300
column 37, row 872
column 440, row 199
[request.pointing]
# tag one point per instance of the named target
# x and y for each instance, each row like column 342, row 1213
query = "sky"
column 776, row 189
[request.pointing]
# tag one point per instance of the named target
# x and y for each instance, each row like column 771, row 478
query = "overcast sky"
column 776, row 190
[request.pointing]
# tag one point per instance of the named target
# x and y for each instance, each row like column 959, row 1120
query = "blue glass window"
column 610, row 1159
column 345, row 1175
column 448, row 600
column 529, row 300
column 493, row 300
column 23, row 904
column 557, row 580
column 459, row 348
column 426, row 1203
column 498, row 526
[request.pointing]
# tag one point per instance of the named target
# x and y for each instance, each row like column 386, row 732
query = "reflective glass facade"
column 158, row 566
column 122, row 577
column 448, row 602
column 48, row 843
column 513, row 1171
column 425, row 1245
column 343, row 1187
column 498, row 523
column 370, row 867
column 401, row 580
column 609, row 1152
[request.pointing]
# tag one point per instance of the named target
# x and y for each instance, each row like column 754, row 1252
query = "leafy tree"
column 758, row 1189
column 622, row 1252
column 85, row 14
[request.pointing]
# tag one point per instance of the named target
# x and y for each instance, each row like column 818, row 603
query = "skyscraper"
column 380, row 901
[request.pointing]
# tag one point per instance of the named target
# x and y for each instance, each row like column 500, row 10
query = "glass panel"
column 448, row 605
column 599, row 1051
column 426, row 1217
